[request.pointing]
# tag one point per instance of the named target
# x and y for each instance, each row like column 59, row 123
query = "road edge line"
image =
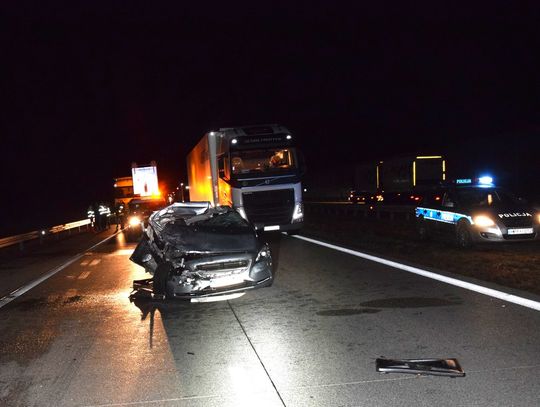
column 27, row 287
column 524, row 302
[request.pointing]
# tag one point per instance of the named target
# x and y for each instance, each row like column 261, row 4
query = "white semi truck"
column 254, row 169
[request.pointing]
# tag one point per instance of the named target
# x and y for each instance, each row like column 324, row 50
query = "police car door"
column 449, row 206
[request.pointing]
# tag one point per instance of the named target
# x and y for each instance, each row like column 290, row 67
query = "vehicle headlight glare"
column 483, row 221
column 134, row 221
column 298, row 211
column 264, row 253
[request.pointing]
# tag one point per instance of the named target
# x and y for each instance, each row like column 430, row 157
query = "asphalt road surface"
column 309, row 340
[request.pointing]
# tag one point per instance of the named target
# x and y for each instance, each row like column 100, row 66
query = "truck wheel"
column 422, row 229
column 463, row 236
column 161, row 275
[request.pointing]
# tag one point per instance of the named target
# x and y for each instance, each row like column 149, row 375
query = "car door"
column 449, row 207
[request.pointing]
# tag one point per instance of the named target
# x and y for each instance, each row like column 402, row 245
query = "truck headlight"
column 298, row 212
column 483, row 221
column 134, row 221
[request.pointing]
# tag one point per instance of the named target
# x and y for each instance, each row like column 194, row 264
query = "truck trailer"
column 254, row 169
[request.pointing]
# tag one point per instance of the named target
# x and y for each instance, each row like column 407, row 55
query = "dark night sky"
column 89, row 89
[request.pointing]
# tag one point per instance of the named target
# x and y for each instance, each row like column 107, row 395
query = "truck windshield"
column 268, row 160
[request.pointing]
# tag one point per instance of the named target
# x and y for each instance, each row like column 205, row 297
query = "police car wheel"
column 463, row 237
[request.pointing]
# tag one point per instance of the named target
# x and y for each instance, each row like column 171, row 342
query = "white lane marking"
column 21, row 290
column 84, row 263
column 95, row 262
column 448, row 280
column 84, row 275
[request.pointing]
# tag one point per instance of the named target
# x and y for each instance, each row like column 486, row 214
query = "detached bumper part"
column 431, row 367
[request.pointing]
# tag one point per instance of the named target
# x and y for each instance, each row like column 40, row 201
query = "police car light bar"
column 464, row 181
column 485, row 180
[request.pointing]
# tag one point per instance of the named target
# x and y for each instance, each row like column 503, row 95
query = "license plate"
column 521, row 231
column 271, row 227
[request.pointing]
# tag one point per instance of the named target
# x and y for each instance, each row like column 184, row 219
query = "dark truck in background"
column 400, row 180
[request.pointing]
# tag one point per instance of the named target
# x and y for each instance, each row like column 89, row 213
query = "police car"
column 476, row 211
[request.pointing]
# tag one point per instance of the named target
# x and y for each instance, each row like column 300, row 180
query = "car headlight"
column 538, row 217
column 483, row 221
column 264, row 253
column 134, row 221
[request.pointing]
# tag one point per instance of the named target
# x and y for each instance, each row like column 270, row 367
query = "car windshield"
column 229, row 221
column 485, row 197
column 267, row 160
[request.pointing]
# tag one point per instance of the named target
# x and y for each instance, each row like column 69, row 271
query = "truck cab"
column 254, row 169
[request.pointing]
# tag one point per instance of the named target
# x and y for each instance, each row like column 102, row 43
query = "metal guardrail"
column 25, row 237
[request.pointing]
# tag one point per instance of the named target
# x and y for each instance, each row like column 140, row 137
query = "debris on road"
column 431, row 367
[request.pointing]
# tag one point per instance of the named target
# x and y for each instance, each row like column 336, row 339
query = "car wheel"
column 422, row 229
column 463, row 236
column 160, row 278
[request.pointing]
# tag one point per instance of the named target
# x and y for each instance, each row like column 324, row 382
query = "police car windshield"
column 485, row 197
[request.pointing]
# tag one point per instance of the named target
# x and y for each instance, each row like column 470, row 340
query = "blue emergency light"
column 485, row 180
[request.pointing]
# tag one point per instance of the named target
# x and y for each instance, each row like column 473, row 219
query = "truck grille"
column 269, row 207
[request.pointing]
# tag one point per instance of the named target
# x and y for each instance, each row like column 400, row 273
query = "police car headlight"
column 134, row 221
column 483, row 221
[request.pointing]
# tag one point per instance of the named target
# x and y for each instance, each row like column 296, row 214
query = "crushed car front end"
column 196, row 251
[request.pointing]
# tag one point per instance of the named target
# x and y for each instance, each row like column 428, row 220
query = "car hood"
column 201, row 239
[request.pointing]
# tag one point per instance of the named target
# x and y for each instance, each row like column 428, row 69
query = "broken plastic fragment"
column 433, row 367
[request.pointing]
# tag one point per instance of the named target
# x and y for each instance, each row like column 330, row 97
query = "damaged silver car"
column 195, row 251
